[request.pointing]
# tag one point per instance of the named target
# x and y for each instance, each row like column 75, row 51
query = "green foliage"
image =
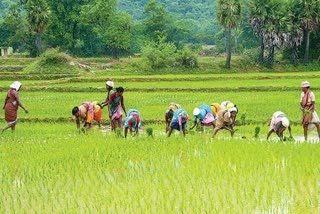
column 186, row 58
column 197, row 15
column 163, row 54
column 117, row 36
column 229, row 16
column 229, row 13
column 156, row 20
column 256, row 132
column 14, row 29
column 149, row 132
column 38, row 15
column 53, row 57
column 250, row 55
column 159, row 54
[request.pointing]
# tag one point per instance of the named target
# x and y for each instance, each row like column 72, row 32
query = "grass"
column 51, row 167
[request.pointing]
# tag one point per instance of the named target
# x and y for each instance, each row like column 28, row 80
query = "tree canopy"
column 117, row 27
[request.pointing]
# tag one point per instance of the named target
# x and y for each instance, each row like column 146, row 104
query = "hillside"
column 203, row 10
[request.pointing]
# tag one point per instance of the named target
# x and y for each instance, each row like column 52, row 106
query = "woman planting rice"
column 279, row 123
column 87, row 112
column 179, row 121
column 169, row 114
column 226, row 120
column 204, row 115
column 132, row 122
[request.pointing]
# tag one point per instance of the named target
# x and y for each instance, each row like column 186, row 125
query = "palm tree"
column 257, row 18
column 38, row 14
column 229, row 16
column 275, row 31
column 295, row 30
column 309, row 10
column 269, row 22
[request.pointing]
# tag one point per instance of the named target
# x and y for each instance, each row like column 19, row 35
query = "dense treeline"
column 160, row 28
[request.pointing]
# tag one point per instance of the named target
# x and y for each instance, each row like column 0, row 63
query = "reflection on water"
column 312, row 136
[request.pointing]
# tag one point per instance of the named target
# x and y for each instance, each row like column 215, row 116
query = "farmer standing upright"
column 11, row 105
column 307, row 106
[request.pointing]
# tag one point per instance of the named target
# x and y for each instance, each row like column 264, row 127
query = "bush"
column 54, row 56
column 250, row 55
column 209, row 51
column 53, row 61
column 186, row 58
column 163, row 54
column 159, row 54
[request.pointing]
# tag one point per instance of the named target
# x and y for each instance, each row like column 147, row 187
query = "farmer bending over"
column 179, row 122
column 204, row 115
column 169, row 114
column 132, row 122
column 87, row 112
column 226, row 120
column 279, row 123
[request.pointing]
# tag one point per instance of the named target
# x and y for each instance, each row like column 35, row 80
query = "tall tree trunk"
column 225, row 40
column 228, row 60
column 236, row 43
column 270, row 57
column 306, row 52
column 261, row 52
column 38, row 43
column 294, row 55
column 114, row 53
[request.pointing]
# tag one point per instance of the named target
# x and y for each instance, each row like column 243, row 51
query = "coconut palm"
column 229, row 16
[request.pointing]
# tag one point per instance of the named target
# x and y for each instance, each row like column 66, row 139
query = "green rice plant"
column 52, row 167
column 46, row 165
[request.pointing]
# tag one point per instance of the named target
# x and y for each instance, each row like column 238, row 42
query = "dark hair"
column 170, row 114
column 75, row 110
column 120, row 89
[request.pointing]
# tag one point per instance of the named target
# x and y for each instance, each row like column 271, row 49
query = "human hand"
column 306, row 112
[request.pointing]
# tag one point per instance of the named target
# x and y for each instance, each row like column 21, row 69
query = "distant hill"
column 201, row 14
column 186, row 9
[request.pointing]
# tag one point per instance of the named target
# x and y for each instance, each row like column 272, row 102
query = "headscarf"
column 305, row 84
column 110, row 83
column 233, row 109
column 16, row 85
column 174, row 106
